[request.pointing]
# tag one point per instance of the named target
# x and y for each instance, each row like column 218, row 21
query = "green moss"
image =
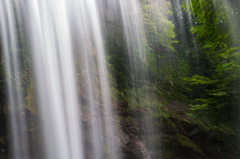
column 186, row 142
column 116, row 117
column 130, row 118
column 170, row 155
column 220, row 128
column 144, row 100
column 186, row 121
column 165, row 114
column 172, row 126
column 200, row 124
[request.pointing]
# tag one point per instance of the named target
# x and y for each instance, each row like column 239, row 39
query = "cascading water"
column 134, row 34
column 19, row 141
column 52, row 47
column 142, row 22
column 55, row 80
column 87, row 32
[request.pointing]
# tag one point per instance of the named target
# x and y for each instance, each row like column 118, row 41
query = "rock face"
column 130, row 147
column 180, row 136
column 138, row 150
column 193, row 132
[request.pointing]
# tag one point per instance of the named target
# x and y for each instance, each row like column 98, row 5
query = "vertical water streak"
column 91, row 49
column 136, row 42
column 133, row 27
column 232, row 10
column 178, row 8
column 191, row 21
column 55, row 79
column 79, row 9
column 104, row 84
column 51, row 48
column 134, row 34
column 17, row 116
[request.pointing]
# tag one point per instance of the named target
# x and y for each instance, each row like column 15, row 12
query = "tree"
column 214, row 32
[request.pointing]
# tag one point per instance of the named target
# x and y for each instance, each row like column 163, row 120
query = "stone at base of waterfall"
column 138, row 149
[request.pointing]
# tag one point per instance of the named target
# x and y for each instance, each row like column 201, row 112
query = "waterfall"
column 134, row 35
column 55, row 78
column 61, row 35
column 111, row 79
column 9, row 41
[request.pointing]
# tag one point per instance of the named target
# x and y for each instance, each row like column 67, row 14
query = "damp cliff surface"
column 177, row 134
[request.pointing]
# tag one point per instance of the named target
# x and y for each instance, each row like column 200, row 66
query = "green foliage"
column 196, row 79
column 212, row 22
column 2, row 86
column 166, row 68
column 145, row 100
column 159, row 29
column 120, row 71
column 186, row 142
column 220, row 81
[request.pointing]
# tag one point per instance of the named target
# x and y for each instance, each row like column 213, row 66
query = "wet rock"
column 138, row 149
column 122, row 138
column 193, row 132
column 177, row 107
column 129, row 128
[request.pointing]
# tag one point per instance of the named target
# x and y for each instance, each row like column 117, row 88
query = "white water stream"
column 52, row 42
column 10, row 52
